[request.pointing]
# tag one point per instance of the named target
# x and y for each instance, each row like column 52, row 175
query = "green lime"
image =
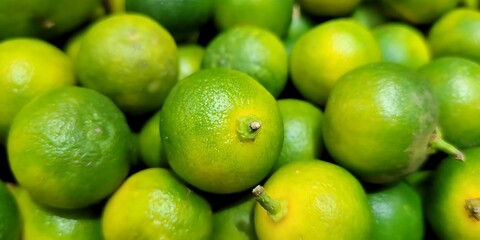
column 190, row 57
column 235, row 221
column 151, row 148
column 329, row 8
column 417, row 11
column 10, row 219
column 70, row 147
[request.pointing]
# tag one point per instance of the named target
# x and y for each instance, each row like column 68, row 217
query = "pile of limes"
column 239, row 119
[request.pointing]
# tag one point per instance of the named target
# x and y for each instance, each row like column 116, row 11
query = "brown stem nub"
column 472, row 205
column 275, row 209
column 255, row 125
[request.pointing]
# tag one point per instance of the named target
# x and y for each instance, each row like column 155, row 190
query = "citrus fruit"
column 115, row 6
column 299, row 25
column 190, row 57
column 397, row 212
column 403, row 44
column 380, row 121
column 326, row 52
column 453, row 200
column 129, row 58
column 302, row 138
column 455, row 84
column 221, row 130
column 70, row 147
column 44, row 223
column 273, row 15
column 235, row 221
column 150, row 145
column 329, row 8
column 369, row 14
column 417, row 11
column 181, row 18
column 29, row 67
column 43, row 18
column 312, row 200
column 456, row 33
column 72, row 46
column 251, row 50
column 10, row 220
column 154, row 204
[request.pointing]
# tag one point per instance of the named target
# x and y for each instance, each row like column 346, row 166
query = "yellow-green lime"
column 182, row 18
column 45, row 19
column 40, row 222
column 453, row 199
column 252, row 50
column 70, row 147
column 302, row 138
column 150, row 145
column 190, row 57
column 28, row 68
column 403, row 44
column 129, row 58
column 154, row 204
column 417, row 12
column 235, row 221
column 221, row 130
column 272, row 15
column 329, row 8
column 456, row 33
column 454, row 81
column 397, row 212
column 10, row 219
column 380, row 122
column 312, row 200
column 326, row 52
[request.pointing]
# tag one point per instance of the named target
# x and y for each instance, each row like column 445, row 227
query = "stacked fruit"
column 239, row 119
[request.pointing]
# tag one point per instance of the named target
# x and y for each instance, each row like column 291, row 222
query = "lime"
column 70, row 147
column 455, row 84
column 302, row 138
column 417, row 11
column 150, row 145
column 403, row 44
column 456, row 33
column 10, row 220
column 29, row 67
column 221, row 130
column 154, row 204
column 272, row 15
column 181, row 18
column 251, row 50
column 453, row 199
column 326, row 52
column 312, row 200
column 299, row 25
column 190, row 57
column 129, row 58
column 397, row 212
column 329, row 8
column 380, row 121
column 369, row 14
column 235, row 221
column 44, row 223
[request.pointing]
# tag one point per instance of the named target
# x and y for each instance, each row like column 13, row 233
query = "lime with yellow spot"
column 326, row 52
column 154, row 204
column 29, row 67
column 221, row 130
column 312, row 200
column 70, row 147
column 453, row 197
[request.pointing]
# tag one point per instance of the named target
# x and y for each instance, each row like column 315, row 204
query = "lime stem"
column 255, row 125
column 275, row 209
column 438, row 143
column 473, row 207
